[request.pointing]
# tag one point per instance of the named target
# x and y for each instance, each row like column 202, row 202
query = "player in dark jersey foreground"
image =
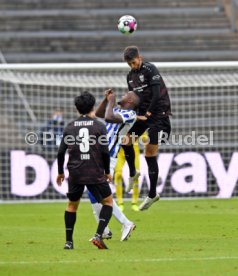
column 88, row 165
column 145, row 80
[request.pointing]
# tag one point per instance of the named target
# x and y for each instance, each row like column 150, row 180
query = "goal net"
column 199, row 160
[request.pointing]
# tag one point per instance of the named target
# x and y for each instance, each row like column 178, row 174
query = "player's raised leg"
column 153, row 172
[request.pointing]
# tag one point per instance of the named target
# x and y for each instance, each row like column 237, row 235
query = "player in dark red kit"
column 88, row 165
column 145, row 80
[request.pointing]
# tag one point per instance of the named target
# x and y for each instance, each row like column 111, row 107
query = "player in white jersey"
column 119, row 120
column 116, row 131
column 118, row 123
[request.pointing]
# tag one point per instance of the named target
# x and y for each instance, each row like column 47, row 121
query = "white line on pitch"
column 121, row 261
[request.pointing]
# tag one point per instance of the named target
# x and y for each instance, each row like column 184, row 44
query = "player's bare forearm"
column 101, row 109
column 109, row 114
column 141, row 118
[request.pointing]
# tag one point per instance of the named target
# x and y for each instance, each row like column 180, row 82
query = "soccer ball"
column 127, row 24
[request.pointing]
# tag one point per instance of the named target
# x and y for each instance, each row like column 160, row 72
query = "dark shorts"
column 99, row 191
column 158, row 128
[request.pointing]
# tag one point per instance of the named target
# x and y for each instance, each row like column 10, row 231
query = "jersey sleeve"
column 61, row 153
column 128, row 83
column 128, row 116
column 154, row 76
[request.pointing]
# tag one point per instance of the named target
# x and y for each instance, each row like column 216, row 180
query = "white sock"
column 117, row 213
column 96, row 211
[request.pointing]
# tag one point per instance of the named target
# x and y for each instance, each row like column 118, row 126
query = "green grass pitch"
column 177, row 237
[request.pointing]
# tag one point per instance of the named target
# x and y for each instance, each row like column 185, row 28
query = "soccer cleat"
column 97, row 241
column 135, row 207
column 132, row 179
column 107, row 236
column 148, row 202
column 126, row 231
column 69, row 245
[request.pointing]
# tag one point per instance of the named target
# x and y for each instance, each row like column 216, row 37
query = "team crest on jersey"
column 142, row 78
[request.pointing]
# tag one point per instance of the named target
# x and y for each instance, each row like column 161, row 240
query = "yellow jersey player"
column 133, row 183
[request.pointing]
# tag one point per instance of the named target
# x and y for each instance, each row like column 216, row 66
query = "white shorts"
column 113, row 162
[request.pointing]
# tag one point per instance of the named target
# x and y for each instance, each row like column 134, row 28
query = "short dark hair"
column 85, row 102
column 131, row 52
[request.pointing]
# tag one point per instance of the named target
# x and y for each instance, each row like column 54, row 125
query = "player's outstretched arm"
column 141, row 118
column 101, row 109
column 110, row 116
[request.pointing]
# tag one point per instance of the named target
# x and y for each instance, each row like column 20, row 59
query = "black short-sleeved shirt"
column 141, row 82
column 85, row 162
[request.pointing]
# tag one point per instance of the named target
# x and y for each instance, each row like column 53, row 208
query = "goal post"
column 199, row 160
